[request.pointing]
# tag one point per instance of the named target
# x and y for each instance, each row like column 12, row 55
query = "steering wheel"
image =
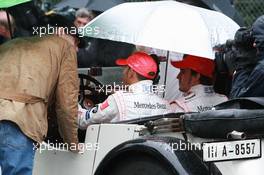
column 90, row 93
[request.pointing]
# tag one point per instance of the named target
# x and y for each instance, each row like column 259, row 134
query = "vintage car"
column 226, row 140
column 231, row 144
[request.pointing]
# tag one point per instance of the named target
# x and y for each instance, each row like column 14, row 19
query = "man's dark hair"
column 203, row 79
column 157, row 77
column 141, row 78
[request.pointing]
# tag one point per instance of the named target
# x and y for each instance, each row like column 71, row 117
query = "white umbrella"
column 166, row 25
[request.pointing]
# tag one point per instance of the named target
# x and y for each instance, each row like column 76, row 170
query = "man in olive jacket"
column 33, row 72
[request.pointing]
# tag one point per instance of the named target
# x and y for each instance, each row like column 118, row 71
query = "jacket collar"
column 199, row 90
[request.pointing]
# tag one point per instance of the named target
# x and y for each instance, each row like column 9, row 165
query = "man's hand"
column 83, row 117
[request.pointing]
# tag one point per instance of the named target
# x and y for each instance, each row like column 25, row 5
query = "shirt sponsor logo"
column 149, row 105
column 204, row 108
column 95, row 109
column 208, row 90
column 87, row 115
column 104, row 105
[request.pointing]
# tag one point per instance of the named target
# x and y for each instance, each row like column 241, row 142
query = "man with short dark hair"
column 195, row 81
column 138, row 101
column 34, row 72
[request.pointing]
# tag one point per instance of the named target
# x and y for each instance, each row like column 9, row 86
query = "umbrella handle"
column 166, row 69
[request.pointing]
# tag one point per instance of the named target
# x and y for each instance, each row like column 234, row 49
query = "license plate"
column 231, row 150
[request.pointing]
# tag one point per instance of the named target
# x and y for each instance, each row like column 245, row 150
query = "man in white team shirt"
column 195, row 81
column 138, row 101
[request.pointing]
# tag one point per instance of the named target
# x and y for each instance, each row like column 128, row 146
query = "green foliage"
column 250, row 9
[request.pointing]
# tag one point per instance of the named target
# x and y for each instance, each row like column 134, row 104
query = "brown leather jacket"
column 33, row 71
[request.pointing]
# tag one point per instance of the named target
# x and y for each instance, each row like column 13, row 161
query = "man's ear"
column 197, row 77
column 132, row 74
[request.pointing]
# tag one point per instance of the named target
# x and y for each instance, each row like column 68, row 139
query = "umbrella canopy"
column 10, row 3
column 167, row 25
column 225, row 7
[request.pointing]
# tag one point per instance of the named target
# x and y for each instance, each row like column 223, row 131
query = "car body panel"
column 110, row 136
column 107, row 136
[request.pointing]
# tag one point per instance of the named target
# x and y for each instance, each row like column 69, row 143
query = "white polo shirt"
column 139, row 101
column 200, row 98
